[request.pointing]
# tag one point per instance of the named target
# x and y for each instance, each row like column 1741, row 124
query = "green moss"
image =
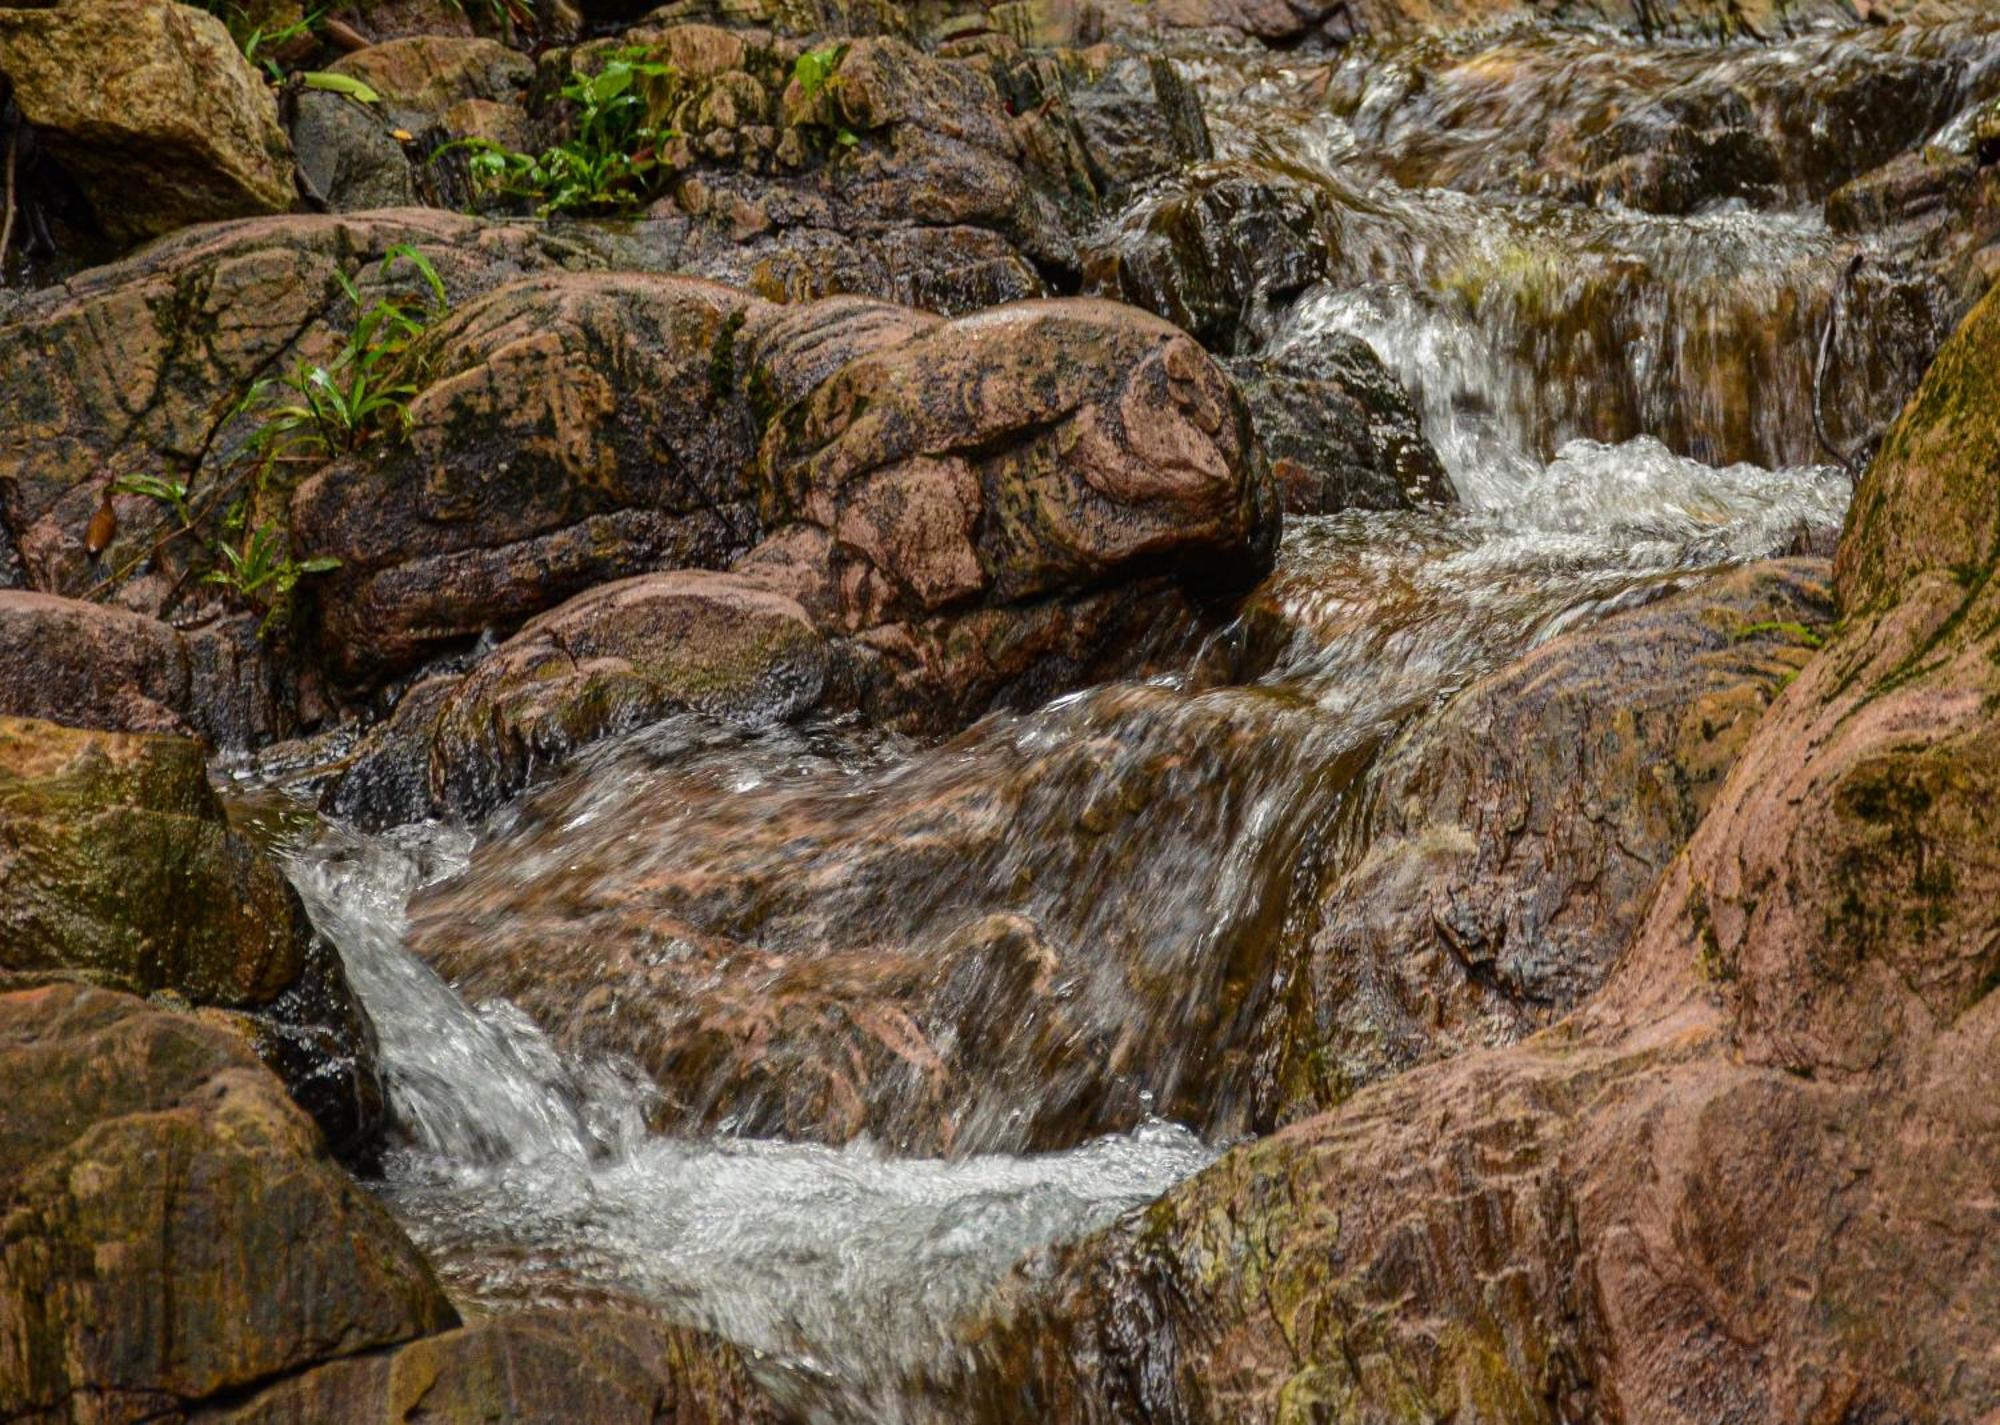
column 1713, row 963
column 722, row 358
column 1793, row 632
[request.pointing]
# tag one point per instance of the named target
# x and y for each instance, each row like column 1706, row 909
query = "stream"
column 1163, row 839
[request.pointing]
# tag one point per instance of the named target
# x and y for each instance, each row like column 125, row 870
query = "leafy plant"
column 607, row 164
column 365, row 390
column 264, row 574
column 256, row 39
column 520, row 12
column 324, row 409
column 345, row 84
column 812, row 71
column 171, row 493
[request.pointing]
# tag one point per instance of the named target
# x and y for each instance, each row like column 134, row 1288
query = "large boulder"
column 151, row 108
column 172, row 1230
column 137, row 368
column 1720, row 1189
column 950, row 502
column 116, row 864
column 1513, row 837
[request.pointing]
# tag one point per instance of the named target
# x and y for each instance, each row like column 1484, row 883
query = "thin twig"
column 7, row 198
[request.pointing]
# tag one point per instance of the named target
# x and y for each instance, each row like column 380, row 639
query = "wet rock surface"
column 174, row 1230
column 1340, row 431
column 1512, row 838
column 623, row 655
column 137, row 368
column 118, row 866
column 1575, row 1224
column 550, row 1365
column 178, row 90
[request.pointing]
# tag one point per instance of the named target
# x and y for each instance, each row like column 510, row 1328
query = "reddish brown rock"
column 135, row 369
column 1512, row 839
column 424, row 76
column 532, row 1366
column 91, row 666
column 1723, row 1188
column 106, row 81
column 116, row 864
column 949, row 501
column 171, row 1228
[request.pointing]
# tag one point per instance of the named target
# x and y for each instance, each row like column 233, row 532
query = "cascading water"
column 528, row 1175
column 595, row 1125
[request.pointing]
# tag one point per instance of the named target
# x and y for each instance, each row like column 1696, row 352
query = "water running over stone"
column 809, row 1034
column 1046, row 932
column 528, row 1176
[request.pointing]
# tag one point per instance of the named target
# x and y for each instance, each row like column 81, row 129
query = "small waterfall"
column 527, row 1175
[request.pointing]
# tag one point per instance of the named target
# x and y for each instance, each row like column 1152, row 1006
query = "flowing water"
column 1149, row 852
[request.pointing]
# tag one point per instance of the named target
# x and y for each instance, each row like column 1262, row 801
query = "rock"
column 116, row 864
column 1215, row 253
column 88, row 665
column 173, row 1231
column 1719, row 1189
column 423, row 77
column 905, row 480
column 98, row 381
column 1124, row 119
column 621, row 655
column 1513, row 837
column 783, row 957
column 105, row 80
column 529, row 476
column 1290, row 23
column 1340, row 430
column 347, row 155
column 950, row 181
column 598, row 1366
column 384, row 21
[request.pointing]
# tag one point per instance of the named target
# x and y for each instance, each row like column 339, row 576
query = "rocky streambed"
column 1080, row 712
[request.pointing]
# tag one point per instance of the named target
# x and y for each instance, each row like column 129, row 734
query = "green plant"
column 364, row 392
column 263, row 574
column 326, row 409
column 345, row 84
column 255, row 38
column 500, row 12
column 812, row 71
column 608, row 162
column 171, row 493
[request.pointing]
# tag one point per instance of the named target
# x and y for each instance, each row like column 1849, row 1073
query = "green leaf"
column 340, row 84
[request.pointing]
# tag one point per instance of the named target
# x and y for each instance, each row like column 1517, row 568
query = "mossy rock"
column 117, row 865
